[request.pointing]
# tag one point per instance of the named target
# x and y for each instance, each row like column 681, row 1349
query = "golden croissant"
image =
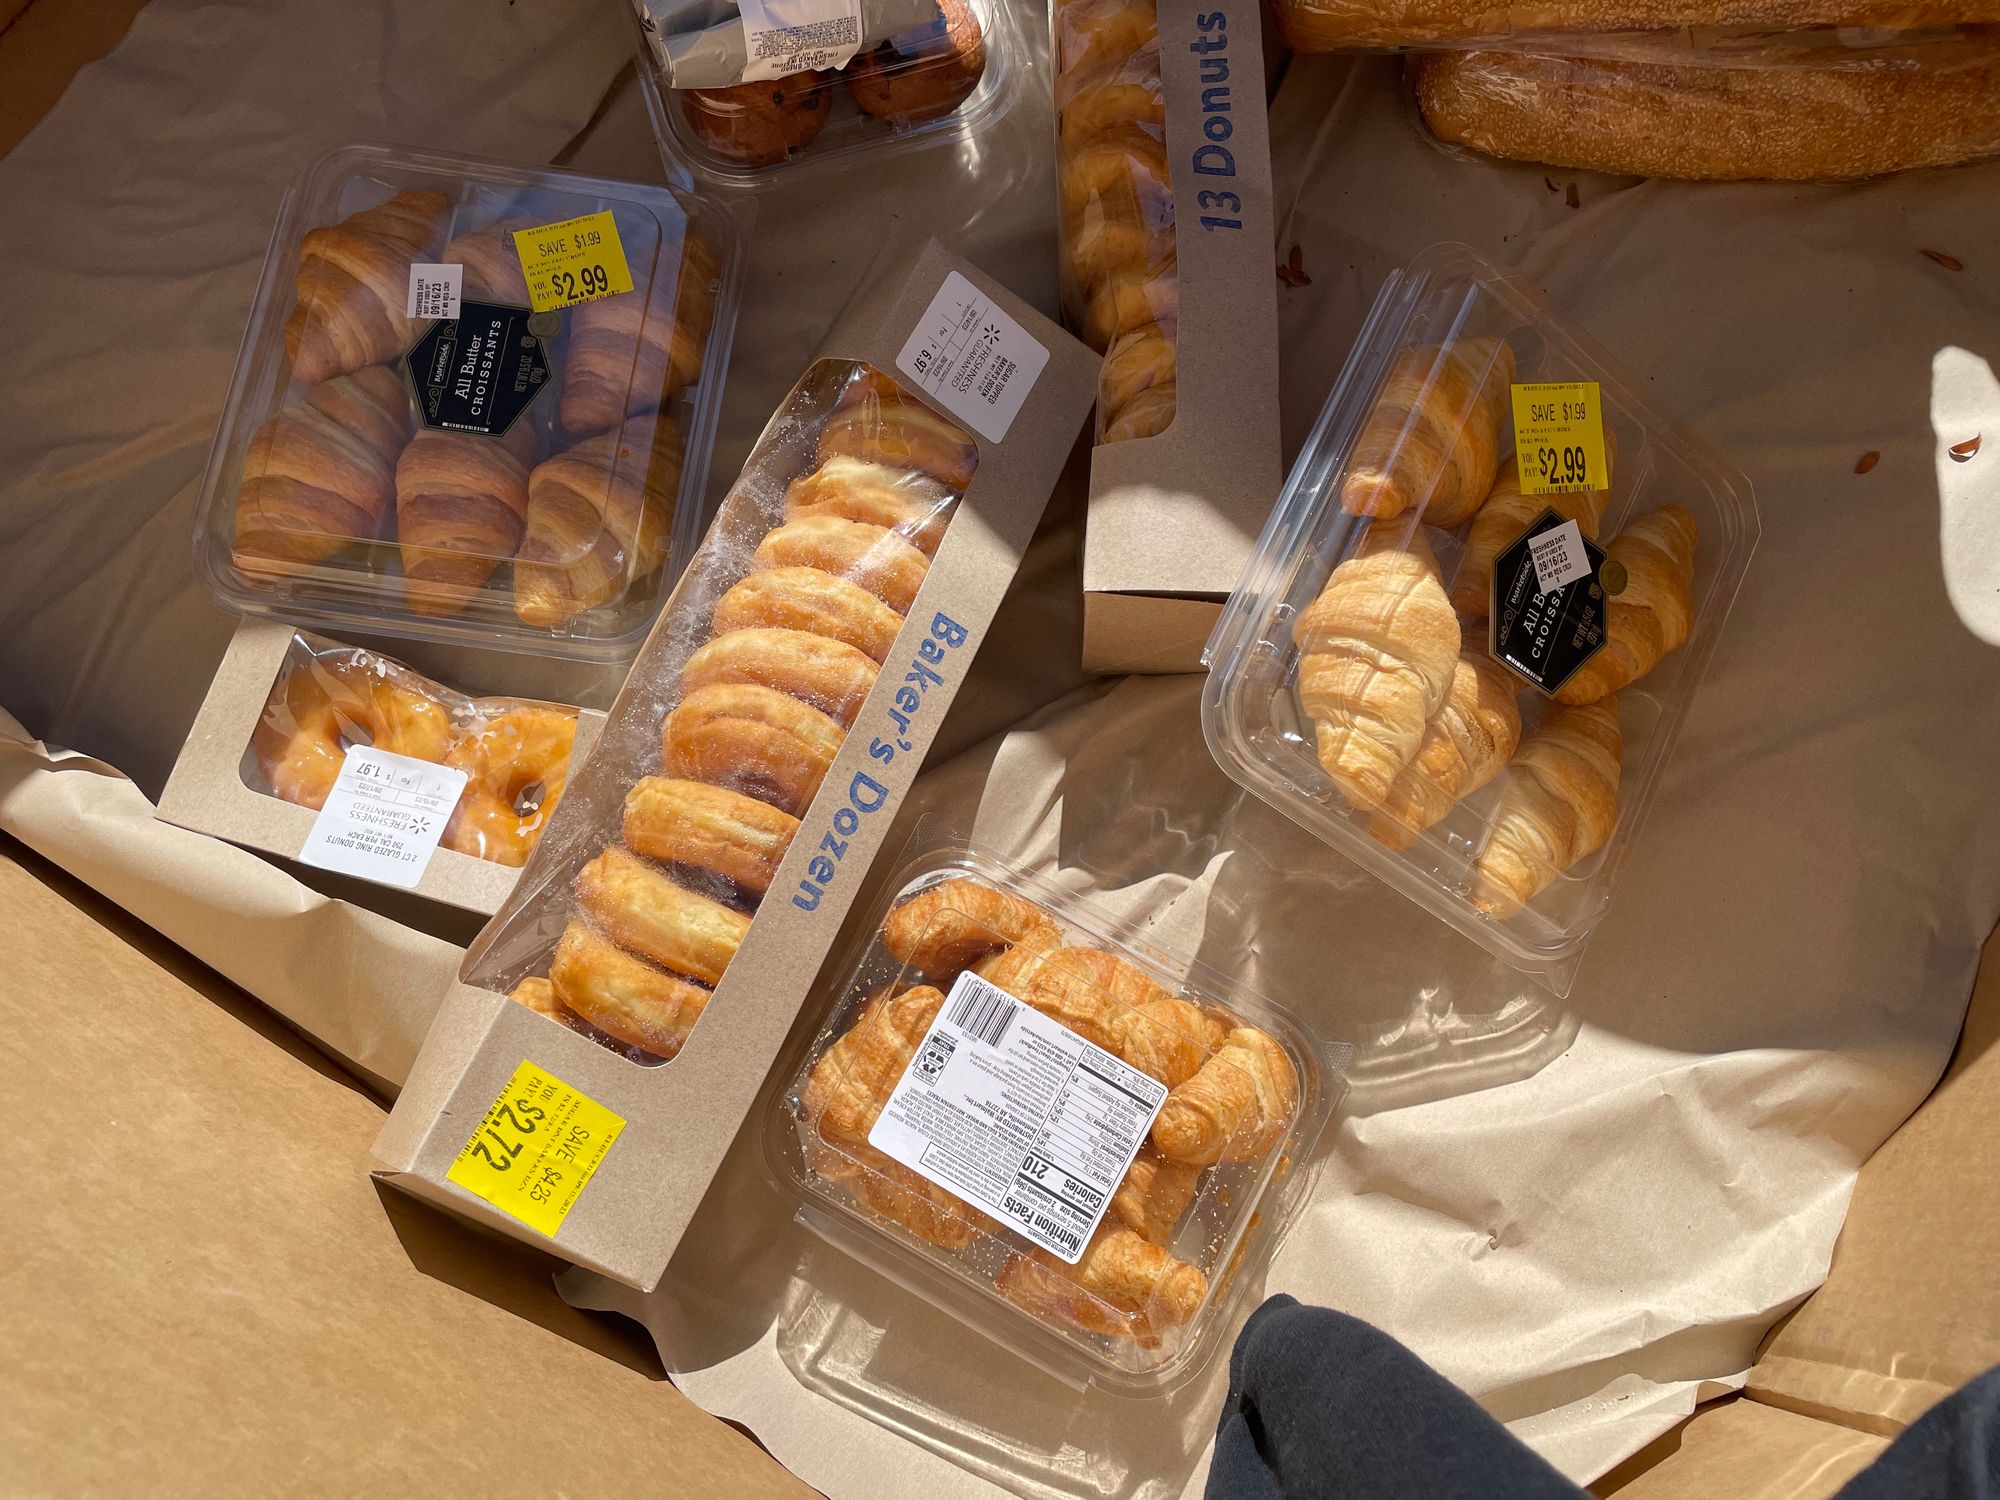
column 1653, row 613
column 1236, row 1108
column 1124, row 1286
column 952, row 925
column 461, row 508
column 1377, row 650
column 598, row 521
column 1558, row 804
column 1501, row 520
column 1111, row 1004
column 1154, row 1195
column 1471, row 736
column 630, row 353
column 492, row 263
column 354, row 282
column 321, row 474
column 1434, row 436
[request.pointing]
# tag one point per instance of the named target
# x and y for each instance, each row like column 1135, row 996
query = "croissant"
column 1434, row 436
column 1012, row 969
column 322, row 473
column 1153, row 1196
column 629, row 354
column 640, row 908
column 354, row 282
column 1377, row 650
column 1465, row 744
column 1124, row 1286
column 754, row 739
column 1558, row 804
column 492, row 263
column 623, row 996
column 951, row 925
column 843, row 1097
column 1236, row 1108
column 1112, row 1005
column 1654, row 612
column 461, row 507
column 539, row 996
column 598, row 520
column 1501, row 520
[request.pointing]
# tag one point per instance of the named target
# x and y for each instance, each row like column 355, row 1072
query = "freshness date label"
column 577, row 260
column 972, row 358
column 536, row 1149
column 1016, row 1114
column 384, row 817
column 782, row 37
column 1559, row 437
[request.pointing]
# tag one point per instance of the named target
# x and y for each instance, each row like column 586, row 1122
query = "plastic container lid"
column 1033, row 1220
column 506, row 472
column 936, row 84
column 1523, row 863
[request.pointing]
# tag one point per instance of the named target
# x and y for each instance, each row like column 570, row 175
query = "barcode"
column 984, row 1010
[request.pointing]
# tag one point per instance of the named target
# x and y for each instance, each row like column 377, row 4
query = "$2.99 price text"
column 1559, row 436
column 1566, row 468
column 574, row 261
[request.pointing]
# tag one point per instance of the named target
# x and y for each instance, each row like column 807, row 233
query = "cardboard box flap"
column 1746, row 1451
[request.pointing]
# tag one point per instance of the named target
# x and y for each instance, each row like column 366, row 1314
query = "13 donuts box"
column 1166, row 225
column 1479, row 612
column 288, row 709
column 668, row 925
column 474, row 403
column 777, row 87
column 1071, row 1139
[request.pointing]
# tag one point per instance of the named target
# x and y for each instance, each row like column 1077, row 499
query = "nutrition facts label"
column 1016, row 1114
column 974, row 360
column 384, row 817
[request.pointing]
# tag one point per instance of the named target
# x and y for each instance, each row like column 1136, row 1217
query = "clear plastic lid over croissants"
column 474, row 403
column 1468, row 683
column 945, row 79
column 1081, row 1145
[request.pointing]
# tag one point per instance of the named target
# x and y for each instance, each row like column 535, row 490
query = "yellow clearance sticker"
column 1559, row 437
column 535, row 1151
column 575, row 261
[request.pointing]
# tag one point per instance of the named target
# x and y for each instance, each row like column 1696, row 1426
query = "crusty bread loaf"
column 1789, row 124
column 1330, row 25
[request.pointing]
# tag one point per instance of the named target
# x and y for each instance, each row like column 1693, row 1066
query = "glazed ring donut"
column 1107, row 98
column 639, row 908
column 873, row 556
column 1090, row 34
column 523, row 751
column 324, row 707
column 623, row 996
column 1129, row 300
column 955, row 923
column 913, row 505
column 1122, row 166
column 815, row 602
column 921, row 74
column 756, row 739
column 760, row 124
column 901, row 432
column 832, row 676
column 1142, row 359
column 539, row 996
column 1116, row 238
column 1147, row 414
column 709, row 827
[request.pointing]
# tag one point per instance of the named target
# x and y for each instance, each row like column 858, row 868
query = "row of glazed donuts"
column 765, row 703
column 1117, row 209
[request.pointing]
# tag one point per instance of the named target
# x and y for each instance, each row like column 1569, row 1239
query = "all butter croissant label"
column 576, row 260
column 1550, row 587
column 1012, row 1112
column 536, row 1149
column 478, row 371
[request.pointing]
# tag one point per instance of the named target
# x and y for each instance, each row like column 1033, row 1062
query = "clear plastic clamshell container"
column 1066, row 1138
column 938, row 82
column 1355, row 676
column 489, row 469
